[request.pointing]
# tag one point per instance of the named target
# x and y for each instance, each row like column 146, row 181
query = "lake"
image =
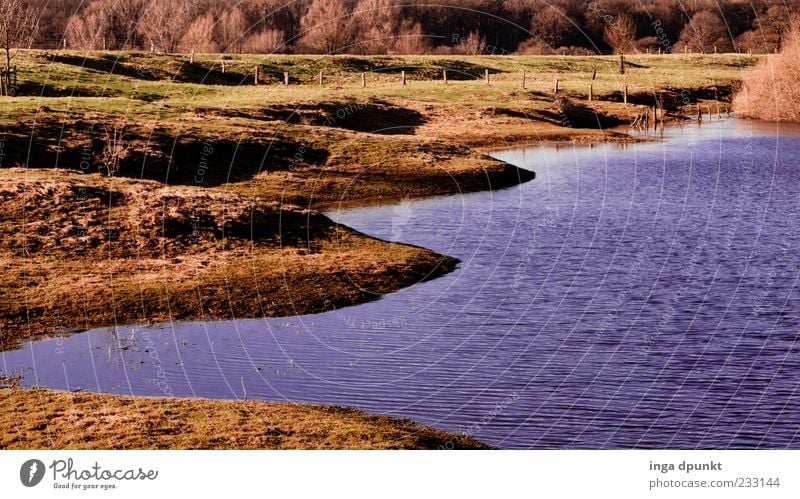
column 638, row 296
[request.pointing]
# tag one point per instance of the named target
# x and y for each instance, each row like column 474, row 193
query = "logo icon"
column 31, row 472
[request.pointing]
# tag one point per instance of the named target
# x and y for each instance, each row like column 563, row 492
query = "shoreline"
column 50, row 419
column 435, row 146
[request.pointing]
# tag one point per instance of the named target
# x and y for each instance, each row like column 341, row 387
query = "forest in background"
column 415, row 26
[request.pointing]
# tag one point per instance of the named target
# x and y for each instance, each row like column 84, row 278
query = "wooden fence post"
column 555, row 87
column 625, row 95
column 363, row 80
column 320, row 78
column 594, row 74
column 285, row 77
column 403, row 76
column 591, row 92
column 444, row 76
column 622, row 64
column 486, row 72
column 523, row 79
column 255, row 76
column 223, row 66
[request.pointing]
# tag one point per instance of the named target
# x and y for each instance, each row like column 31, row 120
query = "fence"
column 8, row 81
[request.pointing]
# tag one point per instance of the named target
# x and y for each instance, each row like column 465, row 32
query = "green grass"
column 163, row 86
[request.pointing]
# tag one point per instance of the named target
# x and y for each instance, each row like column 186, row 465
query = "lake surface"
column 629, row 297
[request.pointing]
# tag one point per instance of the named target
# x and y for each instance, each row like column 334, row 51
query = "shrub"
column 770, row 91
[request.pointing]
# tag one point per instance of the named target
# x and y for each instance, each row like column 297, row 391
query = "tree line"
column 414, row 26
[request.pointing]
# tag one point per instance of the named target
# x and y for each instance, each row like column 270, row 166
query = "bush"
column 770, row 91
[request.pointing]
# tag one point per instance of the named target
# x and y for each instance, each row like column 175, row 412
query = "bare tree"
column 267, row 41
column 88, row 30
column 17, row 29
column 329, row 26
column 704, row 32
column 551, row 27
column 376, row 22
column 410, row 39
column 473, row 44
column 200, row 36
column 164, row 23
column 620, row 33
column 126, row 15
column 115, row 148
column 231, row 30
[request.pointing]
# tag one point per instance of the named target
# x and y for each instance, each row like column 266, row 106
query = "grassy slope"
column 46, row 419
column 279, row 141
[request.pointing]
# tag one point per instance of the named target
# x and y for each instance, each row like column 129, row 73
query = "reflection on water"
column 638, row 297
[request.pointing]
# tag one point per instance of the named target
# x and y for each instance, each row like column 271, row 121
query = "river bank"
column 49, row 419
column 196, row 130
column 212, row 209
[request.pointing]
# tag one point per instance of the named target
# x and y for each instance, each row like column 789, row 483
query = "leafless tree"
column 704, row 32
column 410, row 39
column 164, row 23
column 126, row 16
column 375, row 26
column 267, row 41
column 88, row 30
column 200, row 36
column 17, row 29
column 329, row 26
column 473, row 44
column 376, row 23
column 115, row 148
column 551, row 27
column 231, row 30
column 620, row 33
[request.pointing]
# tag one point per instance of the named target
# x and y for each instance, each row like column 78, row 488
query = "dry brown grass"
column 81, row 251
column 770, row 91
column 46, row 419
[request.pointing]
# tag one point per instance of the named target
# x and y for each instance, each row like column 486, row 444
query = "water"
column 640, row 296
